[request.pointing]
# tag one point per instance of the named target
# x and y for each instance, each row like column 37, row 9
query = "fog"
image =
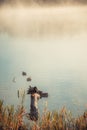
column 43, row 21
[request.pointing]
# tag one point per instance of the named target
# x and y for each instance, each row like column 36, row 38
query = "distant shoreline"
column 41, row 4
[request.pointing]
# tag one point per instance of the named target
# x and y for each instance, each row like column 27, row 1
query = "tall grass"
column 12, row 119
column 61, row 120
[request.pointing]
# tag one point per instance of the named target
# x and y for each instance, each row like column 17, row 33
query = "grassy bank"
column 13, row 119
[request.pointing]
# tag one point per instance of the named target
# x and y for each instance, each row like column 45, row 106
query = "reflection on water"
column 50, row 45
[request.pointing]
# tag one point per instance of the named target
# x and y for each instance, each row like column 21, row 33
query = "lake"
column 50, row 45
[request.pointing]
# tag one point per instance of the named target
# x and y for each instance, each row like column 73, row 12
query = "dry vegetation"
column 12, row 119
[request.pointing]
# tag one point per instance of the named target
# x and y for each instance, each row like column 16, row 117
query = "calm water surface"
column 51, row 46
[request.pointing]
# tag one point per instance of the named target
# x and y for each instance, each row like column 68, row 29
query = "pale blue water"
column 57, row 65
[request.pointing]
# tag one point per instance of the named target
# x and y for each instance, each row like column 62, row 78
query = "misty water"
column 50, row 45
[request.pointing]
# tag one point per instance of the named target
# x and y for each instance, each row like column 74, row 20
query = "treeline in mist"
column 42, row 2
